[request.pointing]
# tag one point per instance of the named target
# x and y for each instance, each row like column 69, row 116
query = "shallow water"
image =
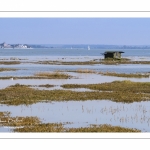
column 80, row 113
column 29, row 69
column 5, row 129
column 79, row 78
column 84, row 113
column 66, row 51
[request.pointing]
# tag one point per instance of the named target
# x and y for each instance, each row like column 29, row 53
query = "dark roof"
column 113, row 52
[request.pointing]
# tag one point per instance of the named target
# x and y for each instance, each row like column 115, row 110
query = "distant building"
column 18, row 46
column 4, row 45
column 113, row 54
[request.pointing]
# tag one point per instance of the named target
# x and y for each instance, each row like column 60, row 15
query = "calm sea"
column 71, row 52
column 78, row 54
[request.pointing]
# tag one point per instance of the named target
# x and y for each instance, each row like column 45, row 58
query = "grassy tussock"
column 49, row 127
column 53, row 75
column 33, row 77
column 116, row 86
column 102, row 128
column 46, row 85
column 119, row 91
column 137, row 75
column 33, row 124
column 7, row 120
column 41, row 75
column 68, row 63
column 82, row 71
column 7, row 69
column 108, row 61
column 9, row 62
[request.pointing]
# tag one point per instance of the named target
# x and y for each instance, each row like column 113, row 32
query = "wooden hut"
column 113, row 54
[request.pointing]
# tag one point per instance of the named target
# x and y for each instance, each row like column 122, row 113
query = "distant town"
column 4, row 45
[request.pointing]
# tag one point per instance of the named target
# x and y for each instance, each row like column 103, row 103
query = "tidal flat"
column 82, row 94
column 93, row 62
column 33, row 124
column 118, row 91
column 82, row 114
column 7, row 69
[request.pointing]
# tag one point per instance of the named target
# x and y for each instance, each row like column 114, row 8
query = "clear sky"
column 113, row 31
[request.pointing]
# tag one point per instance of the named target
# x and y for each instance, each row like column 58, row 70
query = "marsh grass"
column 102, row 128
column 131, row 75
column 30, row 77
column 119, row 91
column 123, row 91
column 48, row 127
column 7, row 69
column 53, row 75
column 68, row 63
column 33, row 124
column 46, row 85
column 58, row 127
column 108, row 61
column 120, row 86
column 18, row 85
column 9, row 62
column 82, row 71
column 136, row 75
column 111, row 61
column 41, row 75
column 7, row 120
column 4, row 114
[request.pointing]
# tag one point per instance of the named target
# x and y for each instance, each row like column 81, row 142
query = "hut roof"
column 113, row 52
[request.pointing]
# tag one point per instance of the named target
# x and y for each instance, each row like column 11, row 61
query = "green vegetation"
column 29, row 77
column 131, row 75
column 48, row 127
column 7, row 69
column 120, row 86
column 33, row 124
column 53, row 75
column 108, row 61
column 46, row 85
column 111, row 61
column 119, row 91
column 136, row 75
column 102, row 128
column 41, row 75
column 7, row 120
column 68, row 63
column 82, row 71
column 9, row 62
column 58, row 127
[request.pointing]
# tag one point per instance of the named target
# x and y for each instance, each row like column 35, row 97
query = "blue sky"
column 113, row 31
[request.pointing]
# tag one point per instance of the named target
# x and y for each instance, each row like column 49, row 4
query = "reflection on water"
column 5, row 129
column 80, row 113
column 84, row 113
column 78, row 78
column 30, row 69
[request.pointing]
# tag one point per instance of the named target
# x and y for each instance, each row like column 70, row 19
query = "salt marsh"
column 78, row 113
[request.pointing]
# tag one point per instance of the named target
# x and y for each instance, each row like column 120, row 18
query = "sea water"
column 81, row 113
column 61, row 54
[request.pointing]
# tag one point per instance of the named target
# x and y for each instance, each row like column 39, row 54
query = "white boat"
column 88, row 47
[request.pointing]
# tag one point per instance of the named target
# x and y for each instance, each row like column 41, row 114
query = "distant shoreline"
column 16, row 48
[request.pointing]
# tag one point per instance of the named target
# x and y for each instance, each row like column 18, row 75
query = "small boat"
column 88, row 47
